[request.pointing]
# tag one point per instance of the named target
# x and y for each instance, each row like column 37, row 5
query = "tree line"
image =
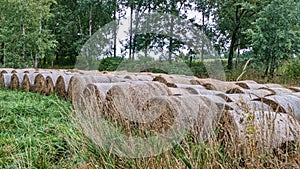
column 52, row 32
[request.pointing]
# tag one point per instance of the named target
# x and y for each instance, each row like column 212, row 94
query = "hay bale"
column 28, row 82
column 5, row 80
column 61, row 85
column 6, row 70
column 250, row 84
column 279, row 91
column 266, row 129
column 219, row 101
column 296, row 94
column 179, row 115
column 40, row 83
column 240, row 97
column 125, row 101
column 172, row 80
column 80, row 83
column 16, row 81
column 51, row 80
column 211, row 84
column 289, row 104
column 295, row 89
column 179, row 92
column 273, row 85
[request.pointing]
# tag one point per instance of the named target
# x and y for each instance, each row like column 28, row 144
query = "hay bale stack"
column 289, row 104
column 6, row 70
column 5, row 80
column 28, row 82
column 261, row 128
column 173, row 80
column 79, row 83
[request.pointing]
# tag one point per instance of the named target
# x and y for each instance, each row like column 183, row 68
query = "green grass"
column 32, row 131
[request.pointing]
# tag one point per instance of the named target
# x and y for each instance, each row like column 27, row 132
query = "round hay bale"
column 219, row 101
column 240, row 97
column 173, row 80
column 279, row 91
column 180, row 114
column 217, row 85
column 266, row 128
column 5, row 80
column 61, row 85
column 138, row 77
column 260, row 93
column 80, row 83
column 289, row 104
column 192, row 89
column 295, row 89
column 16, row 81
column 179, row 92
column 125, row 101
column 249, row 84
column 28, row 82
column 40, row 83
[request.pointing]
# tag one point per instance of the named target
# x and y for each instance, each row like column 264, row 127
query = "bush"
column 292, row 69
column 110, row 63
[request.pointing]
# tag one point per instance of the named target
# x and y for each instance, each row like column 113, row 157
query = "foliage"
column 275, row 36
column 110, row 63
column 291, row 69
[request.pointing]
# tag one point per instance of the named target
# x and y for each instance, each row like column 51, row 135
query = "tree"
column 275, row 35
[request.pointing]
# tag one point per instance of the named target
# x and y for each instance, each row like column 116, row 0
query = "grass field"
column 38, row 132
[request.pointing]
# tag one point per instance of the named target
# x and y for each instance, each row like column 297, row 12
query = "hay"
column 219, row 101
column 179, row 92
column 40, row 83
column 279, row 91
column 240, row 97
column 5, row 80
column 289, row 104
column 249, row 84
column 126, row 101
column 173, row 80
column 80, row 83
column 180, row 115
column 269, row 128
column 295, row 89
column 16, row 81
column 211, row 84
column 28, row 82
column 260, row 93
column 61, row 85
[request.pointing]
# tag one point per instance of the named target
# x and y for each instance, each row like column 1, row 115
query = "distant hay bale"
column 295, row 89
column 217, row 85
column 51, row 80
column 5, row 80
column 249, row 84
column 279, row 91
column 266, row 128
column 179, row 92
column 40, row 83
column 289, row 104
column 172, row 80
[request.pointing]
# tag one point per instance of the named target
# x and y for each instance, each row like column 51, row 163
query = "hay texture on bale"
column 289, row 104
column 16, row 81
column 249, row 84
column 40, row 83
column 79, row 83
column 180, row 115
column 279, row 91
column 62, row 84
column 51, row 80
column 124, row 102
column 28, row 82
column 295, row 89
column 213, row 84
column 267, row 129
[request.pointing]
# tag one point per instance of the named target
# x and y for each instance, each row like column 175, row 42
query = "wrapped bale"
column 16, row 81
column 79, row 83
column 173, row 80
column 289, row 104
column 179, row 115
column 295, row 89
column 5, row 80
column 28, row 82
column 261, row 129
column 240, row 97
column 40, row 83
column 279, row 91
column 249, row 84
column 6, row 70
column 217, row 85
column 61, row 85
column 126, row 101
column 192, row 89
column 51, row 80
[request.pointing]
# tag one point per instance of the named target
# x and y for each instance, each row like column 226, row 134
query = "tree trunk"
column 2, row 53
column 203, row 24
column 115, row 29
column 131, row 32
column 91, row 20
column 23, row 43
column 171, row 40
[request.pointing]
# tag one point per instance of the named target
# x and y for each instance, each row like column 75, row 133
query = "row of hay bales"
column 160, row 103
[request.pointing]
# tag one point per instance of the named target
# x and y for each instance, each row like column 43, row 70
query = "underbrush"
column 41, row 132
